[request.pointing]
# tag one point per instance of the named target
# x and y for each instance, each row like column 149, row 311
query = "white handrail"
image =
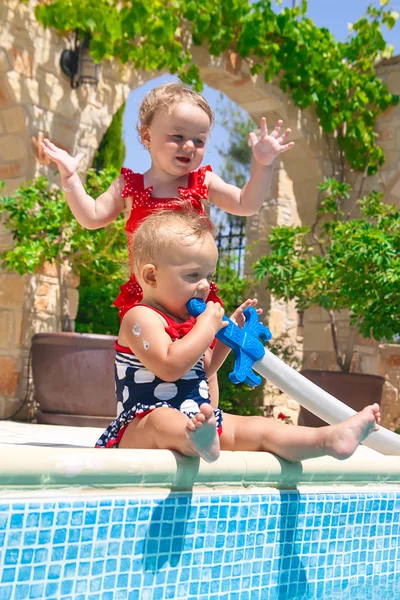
column 320, row 403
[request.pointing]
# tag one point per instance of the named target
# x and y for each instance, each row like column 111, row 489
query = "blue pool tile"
column 96, row 584
column 83, row 569
column 36, row 590
column 116, row 531
column 85, row 550
column 44, row 536
column 39, row 573
column 24, row 573
column 58, row 553
column 46, row 519
column 27, row 556
column 67, row 586
column 8, row 575
column 90, row 517
column 52, row 589
column 17, row 521
column 21, row 592
column 260, row 543
column 72, row 551
column 88, row 534
column 81, row 586
column 109, row 582
column 59, row 536
column 62, row 518
column 11, row 557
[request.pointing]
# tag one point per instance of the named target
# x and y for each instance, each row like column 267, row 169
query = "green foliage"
column 37, row 216
column 111, row 151
column 96, row 293
column 343, row 263
column 44, row 229
column 337, row 79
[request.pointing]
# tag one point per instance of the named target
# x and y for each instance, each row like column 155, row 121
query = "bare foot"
column 202, row 433
column 344, row 438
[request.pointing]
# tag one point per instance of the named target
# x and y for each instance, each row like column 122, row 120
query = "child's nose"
column 204, row 285
column 189, row 145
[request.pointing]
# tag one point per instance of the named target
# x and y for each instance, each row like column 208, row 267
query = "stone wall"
column 36, row 101
column 318, row 347
column 389, row 368
column 280, row 208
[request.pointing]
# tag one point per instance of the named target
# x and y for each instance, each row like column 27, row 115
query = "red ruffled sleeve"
column 133, row 184
column 196, row 190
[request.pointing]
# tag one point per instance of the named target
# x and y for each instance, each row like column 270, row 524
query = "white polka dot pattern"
column 165, row 391
column 189, row 406
column 203, row 389
column 121, row 370
column 143, row 376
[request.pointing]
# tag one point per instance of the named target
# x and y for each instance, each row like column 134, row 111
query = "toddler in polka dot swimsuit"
column 165, row 358
column 174, row 125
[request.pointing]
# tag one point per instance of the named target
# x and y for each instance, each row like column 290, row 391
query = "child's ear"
column 149, row 275
column 145, row 136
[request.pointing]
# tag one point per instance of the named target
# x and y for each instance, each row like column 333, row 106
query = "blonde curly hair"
column 167, row 96
column 157, row 232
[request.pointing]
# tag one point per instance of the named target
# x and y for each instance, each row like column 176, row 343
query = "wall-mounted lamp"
column 79, row 65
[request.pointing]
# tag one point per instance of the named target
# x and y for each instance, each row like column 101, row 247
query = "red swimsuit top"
column 143, row 203
column 174, row 329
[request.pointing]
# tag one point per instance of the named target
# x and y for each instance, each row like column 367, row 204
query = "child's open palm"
column 67, row 164
column 238, row 316
column 265, row 146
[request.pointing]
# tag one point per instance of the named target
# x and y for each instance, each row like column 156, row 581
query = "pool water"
column 285, row 545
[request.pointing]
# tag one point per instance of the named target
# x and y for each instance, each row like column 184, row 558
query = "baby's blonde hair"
column 157, row 232
column 167, row 96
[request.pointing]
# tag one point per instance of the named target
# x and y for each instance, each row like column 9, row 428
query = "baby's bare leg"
column 296, row 443
column 213, row 389
column 163, row 428
column 169, row 429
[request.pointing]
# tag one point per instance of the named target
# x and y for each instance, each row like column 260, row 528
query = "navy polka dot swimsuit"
column 139, row 391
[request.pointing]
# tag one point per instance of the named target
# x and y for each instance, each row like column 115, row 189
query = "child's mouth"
column 183, row 159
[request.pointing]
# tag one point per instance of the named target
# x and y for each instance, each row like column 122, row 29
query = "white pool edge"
column 24, row 464
column 47, row 467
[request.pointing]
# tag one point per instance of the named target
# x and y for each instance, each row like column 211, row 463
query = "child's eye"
column 199, row 143
column 193, row 275
column 177, row 136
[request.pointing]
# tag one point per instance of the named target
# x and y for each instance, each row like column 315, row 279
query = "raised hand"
column 265, row 146
column 238, row 317
column 67, row 164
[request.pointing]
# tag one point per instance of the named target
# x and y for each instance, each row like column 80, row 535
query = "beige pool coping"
column 46, row 456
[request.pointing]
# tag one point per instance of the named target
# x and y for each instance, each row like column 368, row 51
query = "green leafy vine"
column 338, row 79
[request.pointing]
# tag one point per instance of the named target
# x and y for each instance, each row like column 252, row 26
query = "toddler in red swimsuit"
column 174, row 124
